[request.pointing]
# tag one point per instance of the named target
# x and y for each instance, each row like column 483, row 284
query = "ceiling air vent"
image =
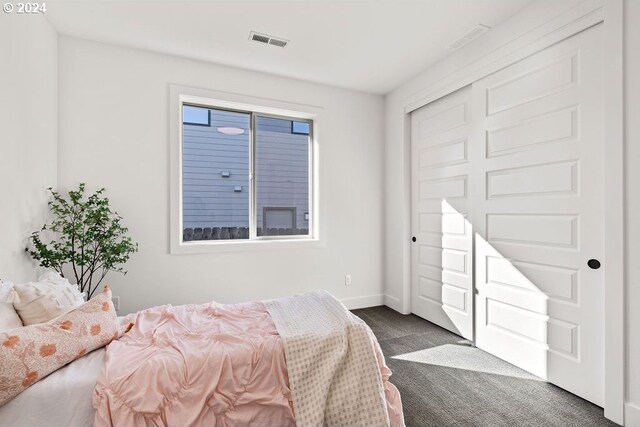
column 263, row 38
column 470, row 35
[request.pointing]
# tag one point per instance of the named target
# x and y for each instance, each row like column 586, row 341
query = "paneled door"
column 538, row 213
column 441, row 254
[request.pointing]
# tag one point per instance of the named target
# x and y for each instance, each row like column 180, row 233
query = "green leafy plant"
column 89, row 241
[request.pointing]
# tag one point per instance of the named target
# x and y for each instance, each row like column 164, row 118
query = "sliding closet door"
column 538, row 204
column 441, row 278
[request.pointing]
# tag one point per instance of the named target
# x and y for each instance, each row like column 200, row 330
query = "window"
column 300, row 128
column 282, row 175
column 245, row 176
column 193, row 115
column 279, row 218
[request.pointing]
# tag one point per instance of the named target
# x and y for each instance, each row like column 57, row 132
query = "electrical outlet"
column 116, row 302
column 347, row 280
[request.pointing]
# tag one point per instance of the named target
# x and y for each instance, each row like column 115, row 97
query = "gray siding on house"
column 209, row 200
column 282, row 169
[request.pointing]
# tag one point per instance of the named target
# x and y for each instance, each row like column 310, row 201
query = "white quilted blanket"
column 334, row 375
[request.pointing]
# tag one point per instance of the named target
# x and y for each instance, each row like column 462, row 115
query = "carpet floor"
column 444, row 381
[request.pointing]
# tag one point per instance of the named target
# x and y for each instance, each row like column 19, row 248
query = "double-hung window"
column 245, row 175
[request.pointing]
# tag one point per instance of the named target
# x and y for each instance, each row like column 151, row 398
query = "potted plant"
column 89, row 239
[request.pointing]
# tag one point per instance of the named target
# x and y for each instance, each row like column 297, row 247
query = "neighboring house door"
column 530, row 181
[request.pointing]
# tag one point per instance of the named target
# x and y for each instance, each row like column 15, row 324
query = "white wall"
column 28, row 121
column 114, row 132
column 632, row 167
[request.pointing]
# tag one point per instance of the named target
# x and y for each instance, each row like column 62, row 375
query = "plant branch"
column 104, row 273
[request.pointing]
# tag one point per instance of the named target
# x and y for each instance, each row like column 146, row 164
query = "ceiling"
column 366, row 45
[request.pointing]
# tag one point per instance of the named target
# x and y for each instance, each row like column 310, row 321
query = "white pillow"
column 9, row 319
column 6, row 291
column 49, row 297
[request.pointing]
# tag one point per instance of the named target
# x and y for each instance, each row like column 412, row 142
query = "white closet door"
column 441, row 255
column 538, row 203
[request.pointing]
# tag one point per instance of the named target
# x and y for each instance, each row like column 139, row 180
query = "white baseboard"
column 393, row 302
column 363, row 302
column 631, row 415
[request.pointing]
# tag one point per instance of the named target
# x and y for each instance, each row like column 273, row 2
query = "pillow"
column 6, row 291
column 48, row 298
column 9, row 319
column 32, row 352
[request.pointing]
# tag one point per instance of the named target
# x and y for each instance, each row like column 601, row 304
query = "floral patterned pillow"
column 32, row 352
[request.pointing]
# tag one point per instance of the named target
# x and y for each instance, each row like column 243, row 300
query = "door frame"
column 559, row 26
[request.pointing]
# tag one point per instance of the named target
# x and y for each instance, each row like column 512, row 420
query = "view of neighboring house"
column 216, row 185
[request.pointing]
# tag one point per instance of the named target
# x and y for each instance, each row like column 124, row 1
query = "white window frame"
column 180, row 95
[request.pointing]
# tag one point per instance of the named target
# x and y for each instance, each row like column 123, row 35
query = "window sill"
column 201, row 247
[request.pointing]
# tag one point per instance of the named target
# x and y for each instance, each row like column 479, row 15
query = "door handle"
column 413, row 239
column 594, row 264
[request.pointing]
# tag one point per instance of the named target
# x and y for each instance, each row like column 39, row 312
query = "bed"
column 301, row 360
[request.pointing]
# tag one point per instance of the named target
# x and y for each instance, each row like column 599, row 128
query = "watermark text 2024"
column 25, row 8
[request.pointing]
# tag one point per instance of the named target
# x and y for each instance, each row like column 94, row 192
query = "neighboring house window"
column 275, row 219
column 192, row 115
column 300, row 128
column 246, row 176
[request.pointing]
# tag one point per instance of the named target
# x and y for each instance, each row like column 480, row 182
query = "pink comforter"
column 204, row 365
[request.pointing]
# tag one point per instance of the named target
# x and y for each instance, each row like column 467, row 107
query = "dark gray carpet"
column 444, row 381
